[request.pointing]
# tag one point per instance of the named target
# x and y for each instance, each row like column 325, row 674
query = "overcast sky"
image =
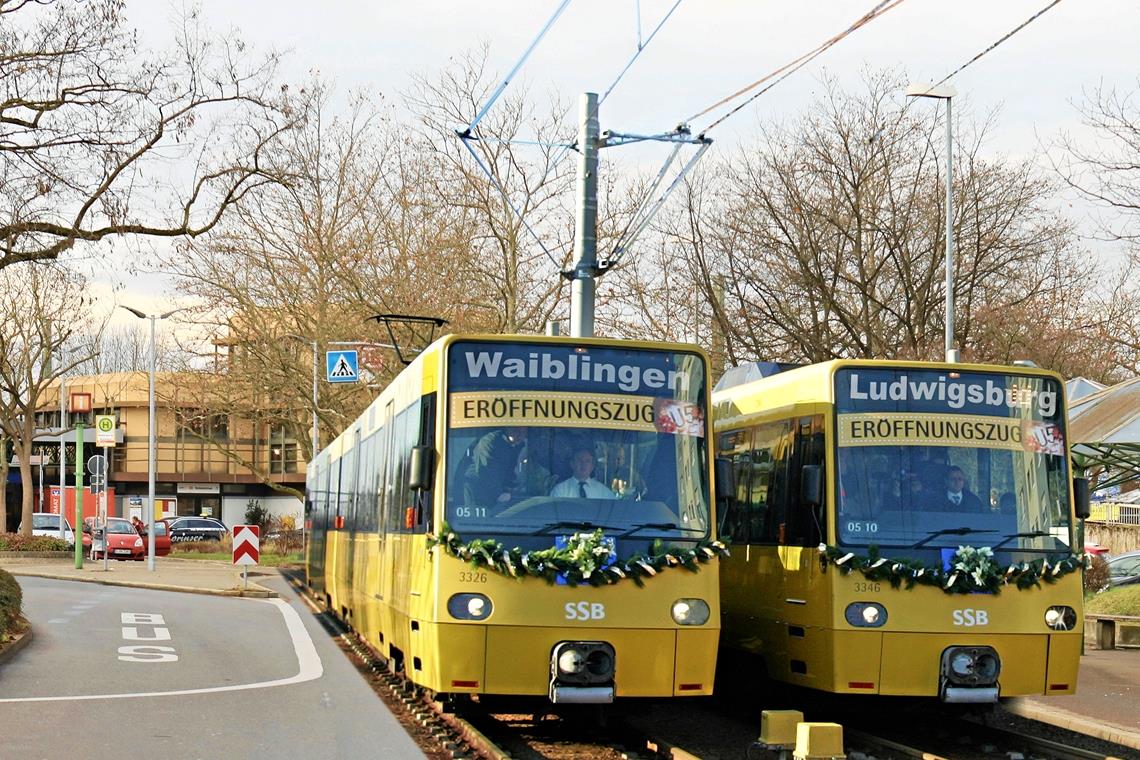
column 706, row 50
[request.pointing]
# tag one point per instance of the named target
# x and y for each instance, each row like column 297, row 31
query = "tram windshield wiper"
column 659, row 526
column 576, row 524
column 949, row 532
column 1027, row 534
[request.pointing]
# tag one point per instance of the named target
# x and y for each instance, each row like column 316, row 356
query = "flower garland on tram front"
column 586, row 558
column 971, row 570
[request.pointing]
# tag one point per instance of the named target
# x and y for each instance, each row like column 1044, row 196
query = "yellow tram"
column 526, row 515
column 902, row 528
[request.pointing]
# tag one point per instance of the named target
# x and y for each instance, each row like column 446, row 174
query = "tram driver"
column 582, row 484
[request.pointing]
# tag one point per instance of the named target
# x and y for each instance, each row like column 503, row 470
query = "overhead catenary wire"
column 469, row 134
column 791, row 67
column 1009, row 34
column 507, row 80
column 630, row 236
column 503, row 191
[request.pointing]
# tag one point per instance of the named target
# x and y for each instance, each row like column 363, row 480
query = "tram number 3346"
column 585, row 611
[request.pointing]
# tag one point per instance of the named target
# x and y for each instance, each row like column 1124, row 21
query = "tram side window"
column 379, row 487
column 736, row 447
column 772, row 448
column 406, row 434
column 426, row 438
column 335, row 501
column 365, row 491
column 396, row 465
column 802, row 526
column 348, row 485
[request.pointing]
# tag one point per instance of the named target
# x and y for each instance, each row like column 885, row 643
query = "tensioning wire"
column 1012, row 32
column 526, row 54
column 790, row 68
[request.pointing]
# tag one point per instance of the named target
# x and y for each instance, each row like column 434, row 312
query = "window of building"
column 196, row 423
column 282, row 457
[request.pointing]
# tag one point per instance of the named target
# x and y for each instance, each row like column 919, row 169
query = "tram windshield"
column 943, row 459
column 546, row 440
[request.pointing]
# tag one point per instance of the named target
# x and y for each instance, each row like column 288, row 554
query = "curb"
column 254, row 592
column 1054, row 716
column 16, row 645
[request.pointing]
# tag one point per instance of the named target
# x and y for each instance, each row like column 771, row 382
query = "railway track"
column 722, row 727
column 470, row 730
column 969, row 739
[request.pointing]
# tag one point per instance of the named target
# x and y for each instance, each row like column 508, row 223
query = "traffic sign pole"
column 79, row 499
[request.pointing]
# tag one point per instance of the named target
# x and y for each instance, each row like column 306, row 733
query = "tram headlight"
column 571, row 662
column 690, row 612
column 962, row 664
column 866, row 614
column 1061, row 618
column 469, row 607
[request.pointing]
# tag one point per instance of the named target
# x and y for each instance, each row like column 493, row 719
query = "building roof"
column 1105, row 429
column 1079, row 387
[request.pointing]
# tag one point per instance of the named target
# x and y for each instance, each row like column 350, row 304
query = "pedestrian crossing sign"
column 341, row 366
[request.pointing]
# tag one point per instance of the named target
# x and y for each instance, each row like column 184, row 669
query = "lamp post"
column 313, row 343
column 150, row 435
column 316, row 430
column 945, row 92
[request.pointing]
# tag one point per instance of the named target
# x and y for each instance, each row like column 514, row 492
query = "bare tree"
column 510, row 281
column 1108, row 175
column 294, row 265
column 36, row 321
column 828, row 239
column 92, row 128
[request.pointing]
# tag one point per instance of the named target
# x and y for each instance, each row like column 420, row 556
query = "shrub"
column 255, row 514
column 15, row 542
column 1096, row 574
column 11, row 599
column 282, row 536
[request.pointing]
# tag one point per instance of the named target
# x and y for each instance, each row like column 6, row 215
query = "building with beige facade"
column 207, row 461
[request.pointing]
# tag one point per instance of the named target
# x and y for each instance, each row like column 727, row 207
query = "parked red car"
column 161, row 538
column 123, row 541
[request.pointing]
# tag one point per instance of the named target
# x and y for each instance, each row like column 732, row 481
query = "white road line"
column 308, row 667
column 59, row 620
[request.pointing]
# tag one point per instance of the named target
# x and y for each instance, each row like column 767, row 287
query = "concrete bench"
column 1111, row 631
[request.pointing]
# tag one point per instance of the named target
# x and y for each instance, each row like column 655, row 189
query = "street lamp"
column 945, row 92
column 303, row 339
column 150, row 435
column 316, row 430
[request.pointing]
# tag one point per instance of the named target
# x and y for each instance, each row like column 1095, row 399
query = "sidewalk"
column 1107, row 702
column 196, row 576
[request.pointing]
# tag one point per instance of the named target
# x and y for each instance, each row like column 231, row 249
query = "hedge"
column 15, row 542
column 11, row 597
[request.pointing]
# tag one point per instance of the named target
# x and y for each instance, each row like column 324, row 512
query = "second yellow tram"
column 903, row 528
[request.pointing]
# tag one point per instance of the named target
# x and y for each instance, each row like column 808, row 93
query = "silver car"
column 1124, row 569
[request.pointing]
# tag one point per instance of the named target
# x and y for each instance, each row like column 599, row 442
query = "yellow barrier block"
column 778, row 727
column 819, row 741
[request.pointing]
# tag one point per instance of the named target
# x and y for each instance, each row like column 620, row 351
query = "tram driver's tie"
column 582, row 488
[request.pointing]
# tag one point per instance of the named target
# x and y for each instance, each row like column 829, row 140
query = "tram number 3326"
column 970, row 618
column 585, row 611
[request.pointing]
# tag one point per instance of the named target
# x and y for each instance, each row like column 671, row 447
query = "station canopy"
column 1104, row 427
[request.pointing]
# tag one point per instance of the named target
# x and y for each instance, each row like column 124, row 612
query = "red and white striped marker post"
column 247, row 548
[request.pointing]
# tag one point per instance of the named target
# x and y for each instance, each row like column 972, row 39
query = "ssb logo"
column 585, row 611
column 970, row 618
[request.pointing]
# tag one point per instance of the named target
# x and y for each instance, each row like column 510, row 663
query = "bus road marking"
column 309, row 667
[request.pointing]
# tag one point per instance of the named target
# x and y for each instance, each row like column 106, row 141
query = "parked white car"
column 47, row 524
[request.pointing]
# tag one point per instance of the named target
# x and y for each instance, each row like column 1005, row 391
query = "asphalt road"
column 136, row 672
